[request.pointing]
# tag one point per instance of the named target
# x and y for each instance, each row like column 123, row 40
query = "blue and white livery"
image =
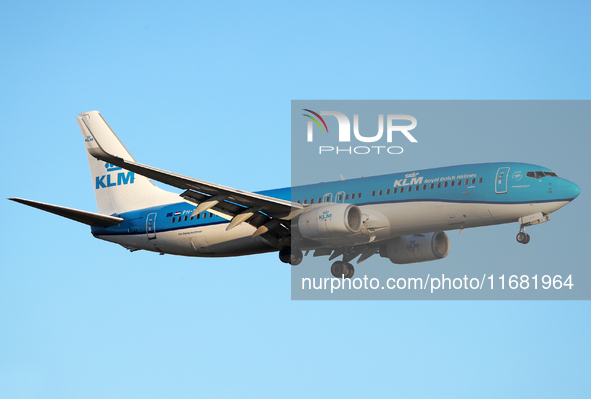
column 400, row 216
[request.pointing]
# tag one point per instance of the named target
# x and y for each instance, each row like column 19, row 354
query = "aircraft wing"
column 89, row 218
column 239, row 206
column 272, row 206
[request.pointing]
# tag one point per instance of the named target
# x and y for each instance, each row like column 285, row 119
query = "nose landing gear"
column 531, row 220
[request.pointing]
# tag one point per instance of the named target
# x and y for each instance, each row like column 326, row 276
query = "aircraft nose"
column 569, row 190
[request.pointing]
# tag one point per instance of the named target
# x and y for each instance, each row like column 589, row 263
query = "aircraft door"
column 501, row 180
column 151, row 226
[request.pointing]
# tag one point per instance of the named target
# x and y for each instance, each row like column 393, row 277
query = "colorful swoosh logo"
column 316, row 120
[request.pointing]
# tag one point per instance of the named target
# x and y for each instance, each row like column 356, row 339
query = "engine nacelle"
column 330, row 221
column 416, row 248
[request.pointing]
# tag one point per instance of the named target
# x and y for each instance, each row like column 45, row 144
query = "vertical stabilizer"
column 117, row 190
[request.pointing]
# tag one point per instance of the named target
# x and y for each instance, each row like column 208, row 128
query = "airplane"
column 400, row 216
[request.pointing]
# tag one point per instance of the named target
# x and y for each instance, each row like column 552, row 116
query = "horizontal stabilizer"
column 89, row 218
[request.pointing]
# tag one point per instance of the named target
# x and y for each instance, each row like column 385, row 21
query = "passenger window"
column 192, row 217
column 459, row 182
column 432, row 185
column 320, row 200
column 305, row 201
column 358, row 195
column 340, row 197
column 387, row 191
column 439, row 185
column 417, row 188
column 453, row 183
column 466, row 181
column 312, row 201
column 198, row 216
column 373, row 193
column 173, row 219
column 178, row 219
column 424, row 186
column 353, row 196
column 298, row 201
column 346, row 196
column 445, row 184
column 380, row 192
column 480, row 180
column 185, row 219
column 211, row 215
column 473, row 181
column 394, row 190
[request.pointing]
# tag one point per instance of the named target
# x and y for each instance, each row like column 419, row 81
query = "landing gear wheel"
column 351, row 271
column 296, row 257
column 523, row 237
column 340, row 269
column 290, row 255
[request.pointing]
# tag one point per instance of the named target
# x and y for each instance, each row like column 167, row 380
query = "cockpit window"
column 538, row 175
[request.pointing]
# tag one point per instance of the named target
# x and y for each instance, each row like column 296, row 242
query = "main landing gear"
column 294, row 257
column 290, row 255
column 522, row 236
column 340, row 269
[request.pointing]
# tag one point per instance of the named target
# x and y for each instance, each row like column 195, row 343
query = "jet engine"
column 416, row 248
column 330, row 221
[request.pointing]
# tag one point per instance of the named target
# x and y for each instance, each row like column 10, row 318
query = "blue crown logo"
column 111, row 167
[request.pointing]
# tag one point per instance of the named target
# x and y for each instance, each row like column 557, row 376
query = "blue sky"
column 204, row 89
